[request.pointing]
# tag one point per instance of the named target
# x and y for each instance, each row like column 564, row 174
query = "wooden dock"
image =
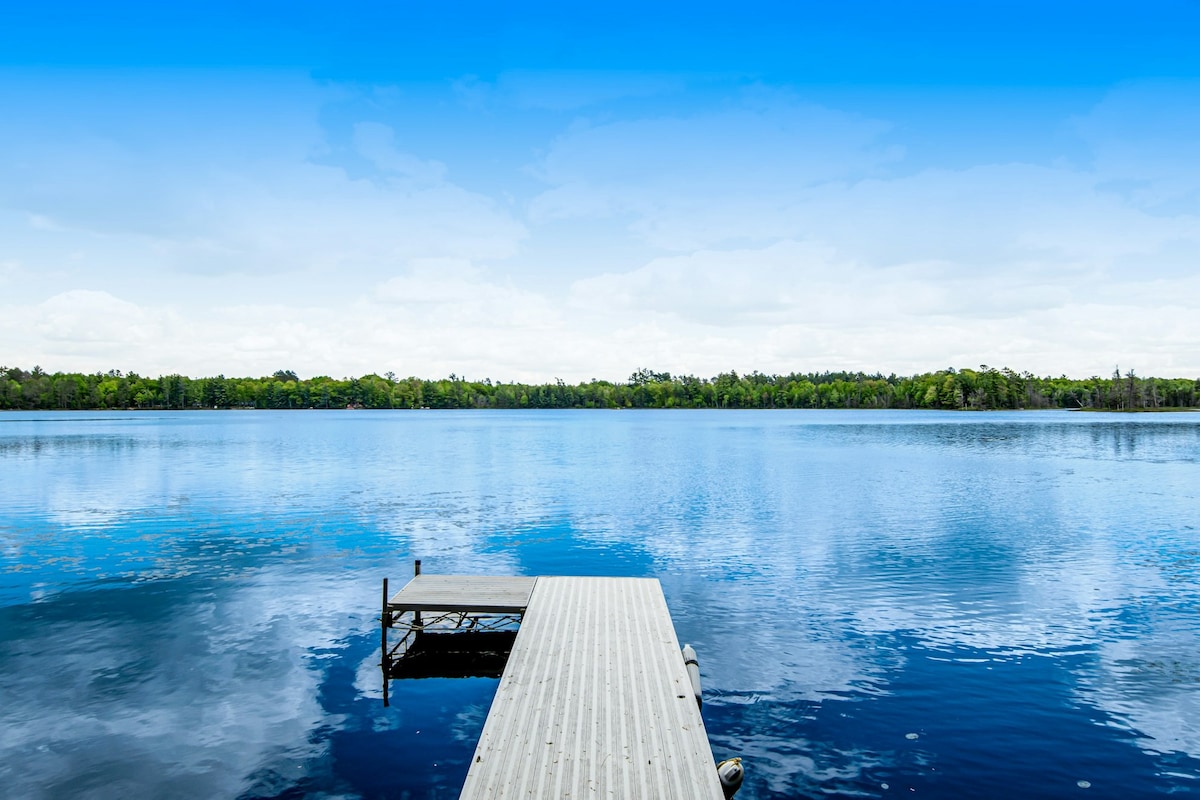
column 594, row 700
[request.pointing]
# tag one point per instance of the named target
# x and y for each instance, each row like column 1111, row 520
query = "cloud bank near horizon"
column 574, row 223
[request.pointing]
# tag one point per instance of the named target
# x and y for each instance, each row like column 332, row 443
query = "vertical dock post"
column 417, row 614
column 385, row 622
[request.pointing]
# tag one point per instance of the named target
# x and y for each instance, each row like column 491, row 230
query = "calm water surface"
column 885, row 604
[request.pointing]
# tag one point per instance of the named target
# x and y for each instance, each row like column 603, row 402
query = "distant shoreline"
column 244, row 409
column 1166, row 409
column 983, row 389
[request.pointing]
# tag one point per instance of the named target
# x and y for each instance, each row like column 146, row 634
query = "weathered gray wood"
column 482, row 594
column 595, row 701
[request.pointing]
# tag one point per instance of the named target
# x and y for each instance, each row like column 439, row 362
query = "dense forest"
column 967, row 389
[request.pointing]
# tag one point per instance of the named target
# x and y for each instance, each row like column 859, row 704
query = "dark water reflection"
column 962, row 605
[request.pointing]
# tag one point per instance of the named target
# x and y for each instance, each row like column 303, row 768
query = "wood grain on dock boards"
column 484, row 594
column 595, row 701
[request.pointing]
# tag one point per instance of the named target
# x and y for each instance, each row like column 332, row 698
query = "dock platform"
column 483, row 594
column 594, row 698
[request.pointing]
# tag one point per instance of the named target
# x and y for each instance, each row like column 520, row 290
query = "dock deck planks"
column 595, row 701
column 467, row 593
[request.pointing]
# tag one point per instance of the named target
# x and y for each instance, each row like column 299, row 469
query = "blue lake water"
column 885, row 604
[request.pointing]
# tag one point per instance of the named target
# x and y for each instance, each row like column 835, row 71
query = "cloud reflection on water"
column 175, row 689
column 987, row 581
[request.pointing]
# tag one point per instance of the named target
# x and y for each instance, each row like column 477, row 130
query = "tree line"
column 985, row 388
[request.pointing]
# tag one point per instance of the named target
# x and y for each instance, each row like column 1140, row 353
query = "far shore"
column 136, row 409
column 1171, row 409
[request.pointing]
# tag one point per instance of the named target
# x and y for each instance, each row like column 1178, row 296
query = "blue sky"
column 544, row 191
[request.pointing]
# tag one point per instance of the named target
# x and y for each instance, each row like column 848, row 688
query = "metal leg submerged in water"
column 385, row 622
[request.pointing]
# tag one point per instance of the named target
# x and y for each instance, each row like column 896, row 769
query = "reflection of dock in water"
column 595, row 698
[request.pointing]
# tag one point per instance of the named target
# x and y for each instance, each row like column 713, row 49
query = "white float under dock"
column 595, row 698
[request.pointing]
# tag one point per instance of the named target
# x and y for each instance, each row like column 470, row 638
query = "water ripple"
column 958, row 605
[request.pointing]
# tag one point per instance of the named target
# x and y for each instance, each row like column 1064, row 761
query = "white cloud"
column 9, row 269
column 990, row 217
column 173, row 189
column 377, row 143
column 780, row 309
column 765, row 234
column 797, row 305
column 751, row 159
column 82, row 318
column 720, row 288
column 1039, row 266
column 1145, row 137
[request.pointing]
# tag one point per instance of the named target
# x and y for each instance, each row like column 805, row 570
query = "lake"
column 885, row 604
